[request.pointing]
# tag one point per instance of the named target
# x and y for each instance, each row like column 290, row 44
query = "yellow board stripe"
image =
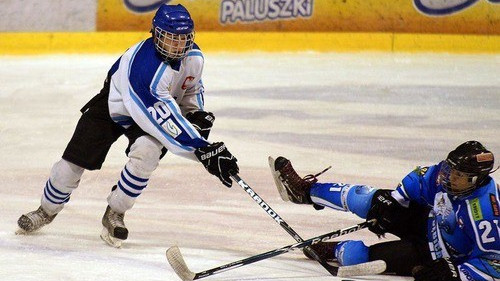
column 118, row 42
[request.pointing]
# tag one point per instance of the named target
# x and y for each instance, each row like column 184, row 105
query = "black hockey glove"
column 386, row 210
column 202, row 121
column 218, row 161
column 318, row 207
column 438, row 270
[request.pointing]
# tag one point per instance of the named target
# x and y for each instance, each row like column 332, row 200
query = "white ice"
column 372, row 116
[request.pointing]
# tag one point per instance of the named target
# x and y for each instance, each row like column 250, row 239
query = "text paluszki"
column 232, row 11
column 213, row 153
column 261, row 202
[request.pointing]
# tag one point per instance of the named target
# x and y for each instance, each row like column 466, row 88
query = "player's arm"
column 192, row 105
column 417, row 187
column 193, row 102
column 391, row 207
column 193, row 99
column 159, row 115
column 163, row 120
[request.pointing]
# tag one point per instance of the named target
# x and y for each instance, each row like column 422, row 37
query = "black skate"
column 114, row 230
column 290, row 185
column 324, row 250
column 33, row 221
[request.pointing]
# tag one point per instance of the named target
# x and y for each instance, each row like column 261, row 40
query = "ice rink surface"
column 372, row 116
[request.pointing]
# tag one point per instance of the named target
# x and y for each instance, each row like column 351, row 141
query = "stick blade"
column 367, row 268
column 178, row 264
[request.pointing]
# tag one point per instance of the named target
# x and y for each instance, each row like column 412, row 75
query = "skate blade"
column 21, row 231
column 110, row 240
column 277, row 181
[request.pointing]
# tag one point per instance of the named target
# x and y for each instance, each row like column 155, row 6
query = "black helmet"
column 471, row 160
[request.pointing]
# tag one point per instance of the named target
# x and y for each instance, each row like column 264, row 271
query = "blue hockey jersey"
column 466, row 229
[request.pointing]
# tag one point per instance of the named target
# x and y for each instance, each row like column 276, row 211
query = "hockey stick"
column 333, row 270
column 180, row 267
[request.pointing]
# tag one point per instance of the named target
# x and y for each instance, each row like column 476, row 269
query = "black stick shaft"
column 333, row 270
column 282, row 250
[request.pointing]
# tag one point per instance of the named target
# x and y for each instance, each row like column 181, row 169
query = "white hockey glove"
column 218, row 161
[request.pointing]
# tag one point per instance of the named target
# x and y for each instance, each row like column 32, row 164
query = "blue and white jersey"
column 466, row 229
column 156, row 95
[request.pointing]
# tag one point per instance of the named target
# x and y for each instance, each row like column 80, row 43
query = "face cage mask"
column 172, row 46
column 444, row 179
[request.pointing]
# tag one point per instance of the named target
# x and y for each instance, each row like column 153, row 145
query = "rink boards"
column 117, row 42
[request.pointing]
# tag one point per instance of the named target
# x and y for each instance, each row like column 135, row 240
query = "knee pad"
column 359, row 198
column 345, row 197
column 351, row 252
column 144, row 156
column 65, row 176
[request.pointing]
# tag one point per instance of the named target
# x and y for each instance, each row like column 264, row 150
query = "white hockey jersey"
column 157, row 95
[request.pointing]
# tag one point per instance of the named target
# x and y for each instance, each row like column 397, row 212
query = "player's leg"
column 87, row 149
column 64, row 178
column 144, row 155
column 400, row 256
column 290, row 185
column 345, row 197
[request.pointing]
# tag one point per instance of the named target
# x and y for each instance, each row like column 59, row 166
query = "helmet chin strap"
column 494, row 170
column 473, row 180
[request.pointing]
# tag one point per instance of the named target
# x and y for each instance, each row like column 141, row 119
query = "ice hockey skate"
column 33, row 221
column 324, row 250
column 290, row 185
column 114, row 230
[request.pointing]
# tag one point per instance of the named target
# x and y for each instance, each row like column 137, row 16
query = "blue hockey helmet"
column 173, row 32
column 466, row 168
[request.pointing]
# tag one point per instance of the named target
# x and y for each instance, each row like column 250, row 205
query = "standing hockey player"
column 446, row 215
column 153, row 94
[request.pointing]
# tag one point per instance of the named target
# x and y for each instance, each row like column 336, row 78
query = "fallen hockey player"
column 446, row 216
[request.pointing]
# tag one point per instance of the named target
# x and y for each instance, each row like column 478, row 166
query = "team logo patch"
column 144, row 6
column 445, row 7
column 187, row 81
column 495, row 264
column 483, row 157
column 475, row 208
column 494, row 205
column 171, row 128
column 421, row 170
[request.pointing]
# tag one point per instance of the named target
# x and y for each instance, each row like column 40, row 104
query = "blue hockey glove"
column 202, row 121
column 438, row 270
column 218, row 161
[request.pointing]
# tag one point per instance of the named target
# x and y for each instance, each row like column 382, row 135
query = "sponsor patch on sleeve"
column 494, row 205
column 171, row 128
column 475, row 206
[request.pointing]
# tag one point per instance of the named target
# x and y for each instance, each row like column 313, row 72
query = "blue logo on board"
column 141, row 7
column 445, row 7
